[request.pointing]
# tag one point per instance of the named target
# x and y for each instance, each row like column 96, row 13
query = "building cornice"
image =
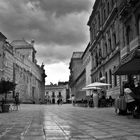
column 95, row 6
column 3, row 36
column 106, row 24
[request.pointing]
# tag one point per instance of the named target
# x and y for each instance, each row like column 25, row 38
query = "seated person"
column 130, row 101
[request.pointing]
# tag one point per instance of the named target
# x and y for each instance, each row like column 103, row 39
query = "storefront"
column 130, row 65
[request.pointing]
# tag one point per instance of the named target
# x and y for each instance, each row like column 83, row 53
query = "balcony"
column 132, row 45
column 124, row 51
column 135, row 43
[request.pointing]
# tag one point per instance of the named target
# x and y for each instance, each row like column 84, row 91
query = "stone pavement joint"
column 53, row 122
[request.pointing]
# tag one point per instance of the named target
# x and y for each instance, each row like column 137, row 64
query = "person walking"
column 17, row 101
column 61, row 101
column 73, row 100
column 58, row 100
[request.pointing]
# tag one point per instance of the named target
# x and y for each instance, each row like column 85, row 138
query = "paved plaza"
column 65, row 122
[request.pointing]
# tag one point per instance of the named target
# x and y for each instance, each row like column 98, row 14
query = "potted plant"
column 5, row 88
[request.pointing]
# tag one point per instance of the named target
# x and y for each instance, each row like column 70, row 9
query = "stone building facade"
column 114, row 33
column 87, row 64
column 77, row 75
column 2, row 40
column 129, row 17
column 80, row 73
column 114, row 27
column 56, row 91
column 18, row 64
column 105, row 43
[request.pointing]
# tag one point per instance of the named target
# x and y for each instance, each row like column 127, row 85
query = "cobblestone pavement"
column 65, row 122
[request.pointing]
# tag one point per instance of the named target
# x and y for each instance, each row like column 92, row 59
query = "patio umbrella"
column 98, row 84
column 90, row 88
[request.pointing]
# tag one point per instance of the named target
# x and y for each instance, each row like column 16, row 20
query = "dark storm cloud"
column 58, row 53
column 59, row 22
column 63, row 7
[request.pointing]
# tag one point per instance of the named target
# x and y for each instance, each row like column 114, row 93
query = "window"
column 96, row 59
column 110, row 46
column 115, row 78
column 100, row 75
column 114, row 40
column 108, row 10
column 110, row 78
column 53, row 94
column 104, row 14
column 100, row 54
column 59, row 93
column 106, row 49
column 128, row 35
column 112, row 1
column 33, row 56
column 46, row 93
column 106, row 77
column 98, row 20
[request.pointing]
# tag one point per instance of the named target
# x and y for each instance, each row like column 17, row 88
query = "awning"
column 130, row 64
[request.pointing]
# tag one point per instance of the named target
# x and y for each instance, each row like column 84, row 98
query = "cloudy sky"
column 58, row 27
